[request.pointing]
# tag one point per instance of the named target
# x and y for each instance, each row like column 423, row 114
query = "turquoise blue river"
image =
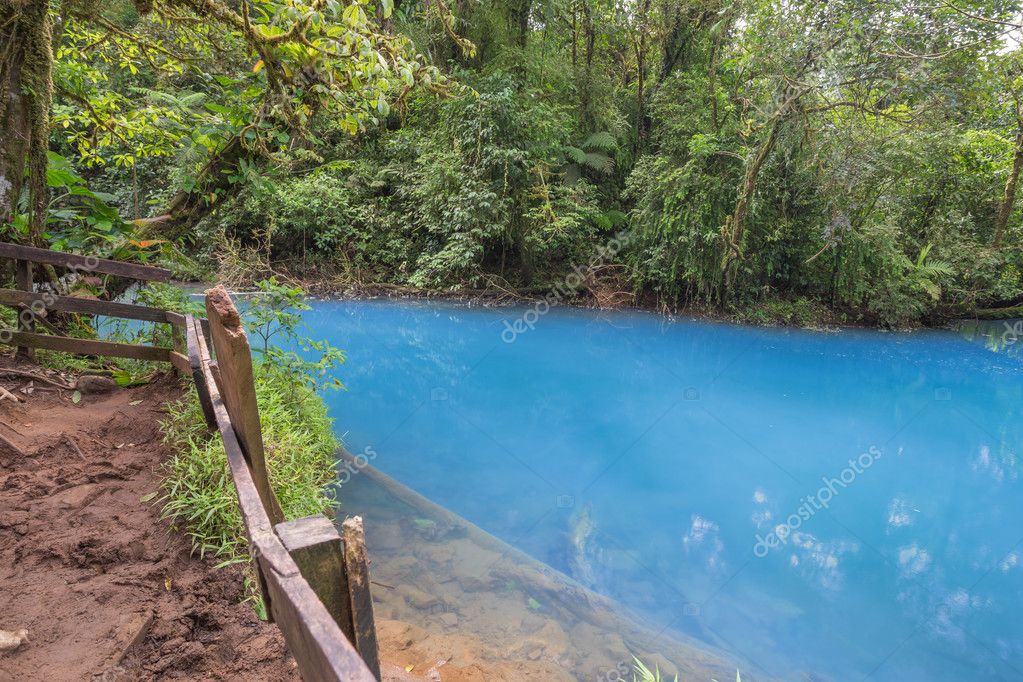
column 822, row 505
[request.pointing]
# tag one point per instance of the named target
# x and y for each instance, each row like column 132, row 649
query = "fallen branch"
column 10, row 641
column 40, row 319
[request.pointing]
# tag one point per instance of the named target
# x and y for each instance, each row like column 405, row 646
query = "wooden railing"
column 313, row 578
column 32, row 306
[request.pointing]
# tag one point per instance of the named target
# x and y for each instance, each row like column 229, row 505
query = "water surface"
column 652, row 460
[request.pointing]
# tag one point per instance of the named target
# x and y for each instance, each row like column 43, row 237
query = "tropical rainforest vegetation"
column 860, row 158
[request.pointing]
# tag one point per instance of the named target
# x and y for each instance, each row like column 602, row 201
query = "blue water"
column 646, row 457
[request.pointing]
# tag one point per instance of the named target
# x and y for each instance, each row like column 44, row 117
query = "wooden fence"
column 313, row 578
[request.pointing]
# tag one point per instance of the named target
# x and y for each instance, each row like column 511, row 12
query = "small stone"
column 449, row 619
column 89, row 383
column 172, row 645
column 535, row 654
column 10, row 641
column 470, row 583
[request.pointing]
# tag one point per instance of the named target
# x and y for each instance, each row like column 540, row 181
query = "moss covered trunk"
column 26, row 61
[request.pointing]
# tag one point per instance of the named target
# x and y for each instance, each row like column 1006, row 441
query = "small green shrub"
column 801, row 312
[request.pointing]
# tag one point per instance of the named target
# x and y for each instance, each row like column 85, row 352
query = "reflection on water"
column 647, row 459
column 436, row 570
column 1000, row 336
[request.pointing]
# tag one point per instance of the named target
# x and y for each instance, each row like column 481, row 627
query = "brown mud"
column 106, row 589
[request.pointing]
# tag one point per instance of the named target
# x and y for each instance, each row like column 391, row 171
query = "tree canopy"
column 859, row 157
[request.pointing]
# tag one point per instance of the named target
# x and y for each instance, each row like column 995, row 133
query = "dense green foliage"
column 801, row 157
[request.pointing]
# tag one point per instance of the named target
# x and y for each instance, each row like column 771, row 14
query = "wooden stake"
column 23, row 277
column 238, row 390
column 316, row 547
column 360, row 600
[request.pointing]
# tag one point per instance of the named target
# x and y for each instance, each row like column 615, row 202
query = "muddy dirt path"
column 106, row 590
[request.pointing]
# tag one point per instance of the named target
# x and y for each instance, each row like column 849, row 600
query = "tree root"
column 35, row 377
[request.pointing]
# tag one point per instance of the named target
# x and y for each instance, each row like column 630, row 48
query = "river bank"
column 774, row 311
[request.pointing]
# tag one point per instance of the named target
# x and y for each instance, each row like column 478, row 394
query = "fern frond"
column 603, row 141
column 575, row 155
column 599, row 162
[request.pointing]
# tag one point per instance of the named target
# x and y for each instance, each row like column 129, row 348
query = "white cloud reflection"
column 703, row 539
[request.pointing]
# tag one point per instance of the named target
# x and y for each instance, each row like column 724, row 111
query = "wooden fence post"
column 318, row 550
column 193, row 340
column 238, row 390
column 335, row 566
column 26, row 323
column 360, row 600
column 178, row 343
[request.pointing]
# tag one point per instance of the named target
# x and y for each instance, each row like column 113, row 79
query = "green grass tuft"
column 198, row 494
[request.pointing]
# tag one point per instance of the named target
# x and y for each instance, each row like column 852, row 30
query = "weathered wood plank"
column 360, row 600
column 67, row 344
column 320, row 649
column 234, row 358
column 84, row 263
column 23, row 280
column 179, row 357
column 181, row 363
column 205, row 329
column 316, row 546
column 322, row 652
column 249, row 503
column 195, row 343
column 87, row 306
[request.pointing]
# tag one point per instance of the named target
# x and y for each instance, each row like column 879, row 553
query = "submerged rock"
column 585, row 557
column 419, row 599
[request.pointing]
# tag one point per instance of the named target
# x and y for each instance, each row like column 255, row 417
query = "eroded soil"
column 105, row 588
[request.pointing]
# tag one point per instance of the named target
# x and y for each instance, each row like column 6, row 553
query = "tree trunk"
column 1009, row 196
column 26, row 60
column 575, row 34
column 186, row 207
column 641, row 65
column 520, row 20
column 590, row 38
column 735, row 225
